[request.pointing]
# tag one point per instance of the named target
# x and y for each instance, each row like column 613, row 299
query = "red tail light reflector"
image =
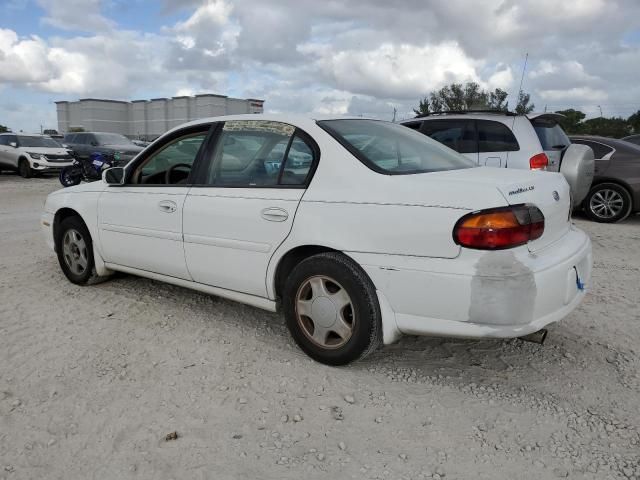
column 499, row 228
column 539, row 162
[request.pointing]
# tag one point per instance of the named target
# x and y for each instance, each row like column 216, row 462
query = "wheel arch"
column 290, row 259
column 60, row 215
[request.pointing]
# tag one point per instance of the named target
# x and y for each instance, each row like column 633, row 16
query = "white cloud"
column 81, row 15
column 575, row 94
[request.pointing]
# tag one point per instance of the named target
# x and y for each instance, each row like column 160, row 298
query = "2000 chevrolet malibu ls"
column 359, row 230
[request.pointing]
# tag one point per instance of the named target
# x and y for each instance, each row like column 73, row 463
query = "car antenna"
column 524, row 68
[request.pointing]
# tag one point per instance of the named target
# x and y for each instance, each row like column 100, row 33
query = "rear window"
column 392, row 149
column 600, row 150
column 551, row 134
column 495, row 137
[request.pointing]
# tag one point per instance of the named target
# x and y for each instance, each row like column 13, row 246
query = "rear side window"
column 259, row 153
column 495, row 137
column 458, row 135
column 550, row 134
column 600, row 150
column 392, row 149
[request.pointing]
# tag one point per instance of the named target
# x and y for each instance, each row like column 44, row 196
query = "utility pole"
column 600, row 110
column 395, row 110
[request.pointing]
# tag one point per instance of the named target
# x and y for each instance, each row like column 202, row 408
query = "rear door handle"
column 274, row 214
column 167, row 206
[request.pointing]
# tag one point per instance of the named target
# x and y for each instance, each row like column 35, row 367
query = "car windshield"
column 34, row 142
column 393, row 149
column 551, row 135
column 112, row 139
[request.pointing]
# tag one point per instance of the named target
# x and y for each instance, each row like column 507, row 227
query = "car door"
column 457, row 134
column 10, row 154
column 495, row 141
column 602, row 154
column 244, row 201
column 140, row 222
column 4, row 146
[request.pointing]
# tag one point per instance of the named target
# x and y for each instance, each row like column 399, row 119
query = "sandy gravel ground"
column 92, row 380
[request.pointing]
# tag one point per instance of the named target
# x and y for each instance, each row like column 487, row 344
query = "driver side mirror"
column 13, row 144
column 113, row 176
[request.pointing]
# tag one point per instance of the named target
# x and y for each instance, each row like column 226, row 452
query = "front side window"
column 172, row 164
column 393, row 149
column 37, row 142
column 495, row 137
column 259, row 153
column 459, row 135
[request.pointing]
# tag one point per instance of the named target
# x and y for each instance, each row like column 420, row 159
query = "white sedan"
column 359, row 230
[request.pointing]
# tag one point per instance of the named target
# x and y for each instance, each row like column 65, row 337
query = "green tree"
column 469, row 96
column 572, row 123
column 634, row 122
column 4, row 129
column 523, row 107
column 615, row 127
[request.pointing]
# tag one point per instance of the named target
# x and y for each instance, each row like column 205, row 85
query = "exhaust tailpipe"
column 536, row 337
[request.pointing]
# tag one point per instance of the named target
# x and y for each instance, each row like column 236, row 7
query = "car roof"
column 292, row 119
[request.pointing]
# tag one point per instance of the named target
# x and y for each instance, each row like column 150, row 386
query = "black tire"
column 598, row 193
column 70, row 176
column 24, row 169
column 366, row 319
column 88, row 274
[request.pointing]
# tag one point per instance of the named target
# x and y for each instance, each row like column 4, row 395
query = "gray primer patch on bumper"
column 503, row 291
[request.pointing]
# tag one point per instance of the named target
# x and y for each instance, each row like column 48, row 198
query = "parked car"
column 52, row 133
column 383, row 232
column 84, row 144
column 615, row 192
column 635, row 139
column 32, row 154
column 503, row 139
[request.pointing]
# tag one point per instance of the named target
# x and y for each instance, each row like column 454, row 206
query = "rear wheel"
column 608, row 203
column 75, row 251
column 70, row 176
column 24, row 169
column 332, row 310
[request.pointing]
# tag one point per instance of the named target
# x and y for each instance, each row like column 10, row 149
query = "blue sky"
column 358, row 57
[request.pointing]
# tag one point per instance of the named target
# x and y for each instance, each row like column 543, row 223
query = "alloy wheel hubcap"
column 606, row 203
column 74, row 251
column 324, row 312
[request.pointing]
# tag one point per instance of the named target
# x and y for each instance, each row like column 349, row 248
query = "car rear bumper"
column 498, row 294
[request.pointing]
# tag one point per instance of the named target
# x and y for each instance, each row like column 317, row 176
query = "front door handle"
column 167, row 206
column 274, row 214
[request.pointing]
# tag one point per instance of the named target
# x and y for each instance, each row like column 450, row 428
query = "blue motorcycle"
column 87, row 170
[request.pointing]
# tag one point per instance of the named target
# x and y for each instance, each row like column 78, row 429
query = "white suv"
column 503, row 139
column 31, row 154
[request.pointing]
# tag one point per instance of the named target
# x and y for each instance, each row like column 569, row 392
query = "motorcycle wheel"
column 70, row 176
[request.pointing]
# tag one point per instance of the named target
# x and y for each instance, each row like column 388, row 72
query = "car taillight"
column 499, row 228
column 539, row 162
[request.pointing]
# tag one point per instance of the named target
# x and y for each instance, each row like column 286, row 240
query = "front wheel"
column 24, row 169
column 75, row 251
column 70, row 176
column 331, row 309
column 608, row 203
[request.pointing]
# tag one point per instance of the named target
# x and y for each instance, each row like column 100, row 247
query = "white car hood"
column 46, row 150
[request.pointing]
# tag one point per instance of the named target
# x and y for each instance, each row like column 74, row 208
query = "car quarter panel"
column 349, row 207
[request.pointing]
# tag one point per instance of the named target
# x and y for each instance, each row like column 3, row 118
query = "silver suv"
column 31, row 154
column 502, row 139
